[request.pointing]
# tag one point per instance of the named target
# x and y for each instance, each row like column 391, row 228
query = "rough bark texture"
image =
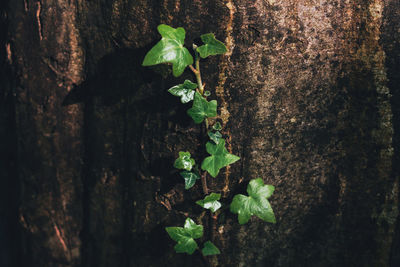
column 309, row 96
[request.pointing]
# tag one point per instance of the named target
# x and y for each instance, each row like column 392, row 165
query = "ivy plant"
column 171, row 50
column 254, row 204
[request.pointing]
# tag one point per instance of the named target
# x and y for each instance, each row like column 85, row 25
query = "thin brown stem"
column 204, row 183
column 192, row 69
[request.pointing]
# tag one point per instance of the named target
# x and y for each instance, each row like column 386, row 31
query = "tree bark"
column 308, row 95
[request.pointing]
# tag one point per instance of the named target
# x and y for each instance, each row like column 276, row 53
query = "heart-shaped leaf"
column 210, row 202
column 202, row 108
column 185, row 91
column 254, row 204
column 190, row 178
column 211, row 46
column 219, row 158
column 184, row 162
column 170, row 49
column 215, row 137
column 185, row 236
column 210, row 249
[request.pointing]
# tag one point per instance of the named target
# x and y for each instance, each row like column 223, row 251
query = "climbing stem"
column 204, row 183
column 198, row 76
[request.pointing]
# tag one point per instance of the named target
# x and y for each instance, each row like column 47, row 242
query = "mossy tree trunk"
column 308, row 94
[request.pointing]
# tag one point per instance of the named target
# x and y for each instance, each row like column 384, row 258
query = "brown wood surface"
column 308, row 95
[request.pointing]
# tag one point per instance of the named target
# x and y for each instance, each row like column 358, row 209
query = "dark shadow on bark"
column 391, row 44
column 10, row 253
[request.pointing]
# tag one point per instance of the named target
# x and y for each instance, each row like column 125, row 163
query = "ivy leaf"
column 211, row 46
column 202, row 108
column 190, row 178
column 219, row 158
column 254, row 204
column 185, row 236
column 217, row 126
column 184, row 162
column 210, row 249
column 215, row 137
column 185, row 91
column 210, row 202
column 170, row 50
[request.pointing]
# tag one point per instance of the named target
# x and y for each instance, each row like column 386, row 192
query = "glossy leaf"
column 210, row 202
column 190, row 178
column 184, row 236
column 210, row 249
column 202, row 108
column 184, row 162
column 219, row 158
column 211, row 46
column 215, row 137
column 170, row 49
column 185, row 91
column 254, row 204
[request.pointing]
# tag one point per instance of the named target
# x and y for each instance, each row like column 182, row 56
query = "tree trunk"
column 308, row 95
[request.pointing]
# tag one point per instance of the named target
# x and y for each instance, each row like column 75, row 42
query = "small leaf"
column 190, row 178
column 211, row 46
column 215, row 137
column 185, row 91
column 219, row 158
column 217, row 126
column 184, row 162
column 202, row 108
column 185, row 236
column 207, row 93
column 210, row 202
column 170, row 49
column 254, row 204
column 210, row 249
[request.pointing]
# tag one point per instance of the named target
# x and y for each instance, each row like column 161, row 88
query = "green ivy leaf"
column 190, row 178
column 185, row 91
column 217, row 126
column 202, row 108
column 210, row 249
column 254, row 204
column 184, row 162
column 211, row 46
column 210, row 202
column 185, row 236
column 170, row 49
column 219, row 158
column 215, row 137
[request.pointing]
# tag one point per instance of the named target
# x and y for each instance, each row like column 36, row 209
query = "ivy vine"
column 170, row 50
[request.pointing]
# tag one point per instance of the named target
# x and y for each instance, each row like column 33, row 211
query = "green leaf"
column 254, row 204
column 184, row 162
column 210, row 249
column 215, row 137
column 170, row 50
column 207, row 93
column 210, row 202
column 202, row 108
column 185, row 91
column 217, row 126
column 190, row 178
column 211, row 46
column 185, row 236
column 219, row 158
